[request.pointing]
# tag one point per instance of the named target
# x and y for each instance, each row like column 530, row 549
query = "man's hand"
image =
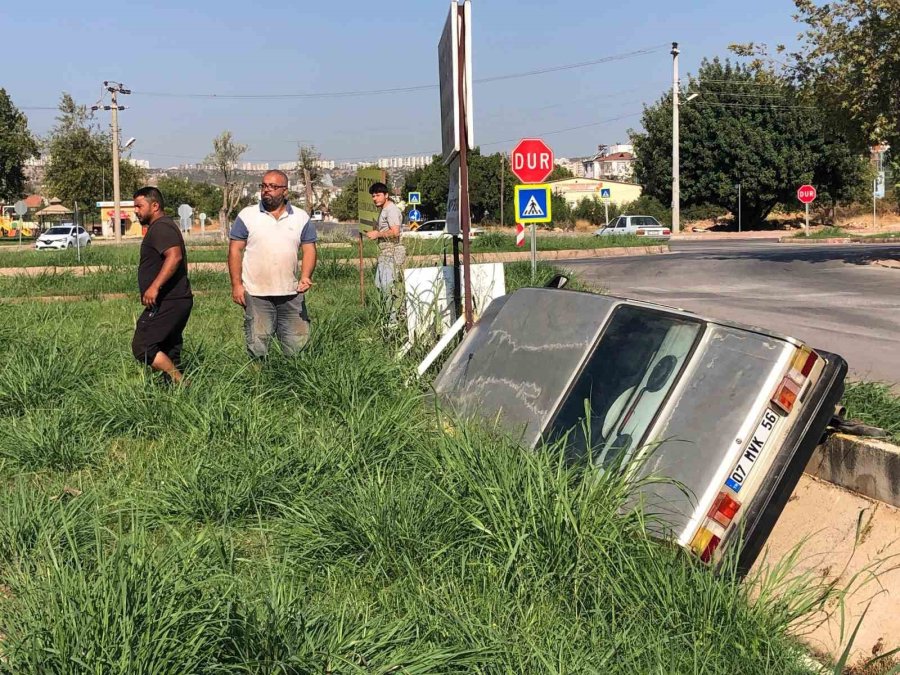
column 148, row 299
column 304, row 285
column 237, row 294
column 372, row 234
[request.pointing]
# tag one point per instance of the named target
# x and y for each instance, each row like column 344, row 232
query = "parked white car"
column 640, row 226
column 63, row 236
column 435, row 229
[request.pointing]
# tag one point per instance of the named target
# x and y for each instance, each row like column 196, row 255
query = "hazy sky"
column 166, row 51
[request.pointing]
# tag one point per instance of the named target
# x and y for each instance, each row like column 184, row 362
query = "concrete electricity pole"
column 676, row 170
column 115, row 88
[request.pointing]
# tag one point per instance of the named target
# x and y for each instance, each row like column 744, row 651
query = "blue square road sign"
column 533, row 204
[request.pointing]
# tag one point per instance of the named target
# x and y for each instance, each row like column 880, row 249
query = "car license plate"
column 751, row 452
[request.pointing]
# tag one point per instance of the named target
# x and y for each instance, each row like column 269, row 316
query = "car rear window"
column 624, row 384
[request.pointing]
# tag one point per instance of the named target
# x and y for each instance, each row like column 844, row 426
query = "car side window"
column 622, row 222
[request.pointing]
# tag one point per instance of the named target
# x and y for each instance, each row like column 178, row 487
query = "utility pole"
column 739, row 206
column 115, row 88
column 676, row 171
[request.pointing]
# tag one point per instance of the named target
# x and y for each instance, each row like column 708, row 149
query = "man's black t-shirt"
column 162, row 235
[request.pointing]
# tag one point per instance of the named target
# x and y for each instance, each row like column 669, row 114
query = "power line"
column 418, row 152
column 401, row 90
column 757, row 106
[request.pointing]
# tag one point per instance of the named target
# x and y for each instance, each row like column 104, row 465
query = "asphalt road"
column 829, row 296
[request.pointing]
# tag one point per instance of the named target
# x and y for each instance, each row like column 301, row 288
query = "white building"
column 409, row 162
column 140, row 163
column 254, row 166
column 615, row 162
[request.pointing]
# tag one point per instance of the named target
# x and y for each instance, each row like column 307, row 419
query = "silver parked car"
column 640, row 226
column 728, row 414
column 63, row 236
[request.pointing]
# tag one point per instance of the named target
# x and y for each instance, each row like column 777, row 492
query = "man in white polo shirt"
column 262, row 262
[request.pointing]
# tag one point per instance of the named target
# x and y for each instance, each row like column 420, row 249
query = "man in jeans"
column 391, row 252
column 164, row 286
column 262, row 262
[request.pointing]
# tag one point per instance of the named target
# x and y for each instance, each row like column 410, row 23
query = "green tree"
column 345, row 205
column 224, row 159
column 203, row 197
column 484, row 187
column 16, row 145
column 560, row 173
column 748, row 126
column 81, row 159
column 850, row 60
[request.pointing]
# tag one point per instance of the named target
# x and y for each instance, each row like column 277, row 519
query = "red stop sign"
column 532, row 160
column 806, row 194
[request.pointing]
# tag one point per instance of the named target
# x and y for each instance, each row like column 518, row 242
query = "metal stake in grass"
column 362, row 282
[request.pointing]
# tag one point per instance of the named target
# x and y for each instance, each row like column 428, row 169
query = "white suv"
column 63, row 236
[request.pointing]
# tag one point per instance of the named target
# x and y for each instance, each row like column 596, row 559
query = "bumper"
column 796, row 451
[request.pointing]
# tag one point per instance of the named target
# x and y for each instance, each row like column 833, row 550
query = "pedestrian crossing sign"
column 533, row 204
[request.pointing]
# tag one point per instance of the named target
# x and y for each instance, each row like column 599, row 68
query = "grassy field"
column 127, row 254
column 316, row 514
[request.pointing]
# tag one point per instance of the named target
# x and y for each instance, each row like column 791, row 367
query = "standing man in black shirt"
column 164, row 286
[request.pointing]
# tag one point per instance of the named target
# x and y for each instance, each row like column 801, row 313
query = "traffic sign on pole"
column 415, row 198
column 520, row 234
column 533, row 204
column 21, row 208
column 806, row 194
column 532, row 160
column 606, row 194
column 415, row 216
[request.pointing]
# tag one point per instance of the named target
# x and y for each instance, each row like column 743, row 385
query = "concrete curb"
column 840, row 240
column 804, row 240
column 866, row 466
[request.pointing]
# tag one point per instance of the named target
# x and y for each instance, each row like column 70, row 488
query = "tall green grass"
column 319, row 514
column 876, row 404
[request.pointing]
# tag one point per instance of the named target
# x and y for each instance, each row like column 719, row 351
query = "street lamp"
column 129, row 143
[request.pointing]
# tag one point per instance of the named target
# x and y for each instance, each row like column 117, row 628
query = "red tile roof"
column 34, row 201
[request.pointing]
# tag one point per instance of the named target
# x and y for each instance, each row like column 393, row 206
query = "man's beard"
column 144, row 220
column 272, row 203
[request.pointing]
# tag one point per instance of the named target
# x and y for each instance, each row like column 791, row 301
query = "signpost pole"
column 606, row 211
column 362, row 279
column 806, row 227
column 874, row 203
column 465, row 216
column 739, row 207
column 457, row 290
column 77, row 238
column 533, row 252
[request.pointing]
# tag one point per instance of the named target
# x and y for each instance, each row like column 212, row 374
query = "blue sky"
column 226, row 47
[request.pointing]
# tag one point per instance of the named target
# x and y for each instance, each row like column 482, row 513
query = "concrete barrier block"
column 863, row 465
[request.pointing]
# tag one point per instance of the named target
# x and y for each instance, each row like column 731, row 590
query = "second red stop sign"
column 532, row 160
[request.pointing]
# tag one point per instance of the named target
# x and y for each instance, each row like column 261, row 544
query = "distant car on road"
column 63, row 236
column 640, row 226
column 435, row 229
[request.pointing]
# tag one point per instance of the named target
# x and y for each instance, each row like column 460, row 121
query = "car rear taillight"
column 705, row 543
column 666, row 230
column 724, row 509
column 787, row 393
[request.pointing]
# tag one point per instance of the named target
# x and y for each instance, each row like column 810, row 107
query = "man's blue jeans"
column 281, row 315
